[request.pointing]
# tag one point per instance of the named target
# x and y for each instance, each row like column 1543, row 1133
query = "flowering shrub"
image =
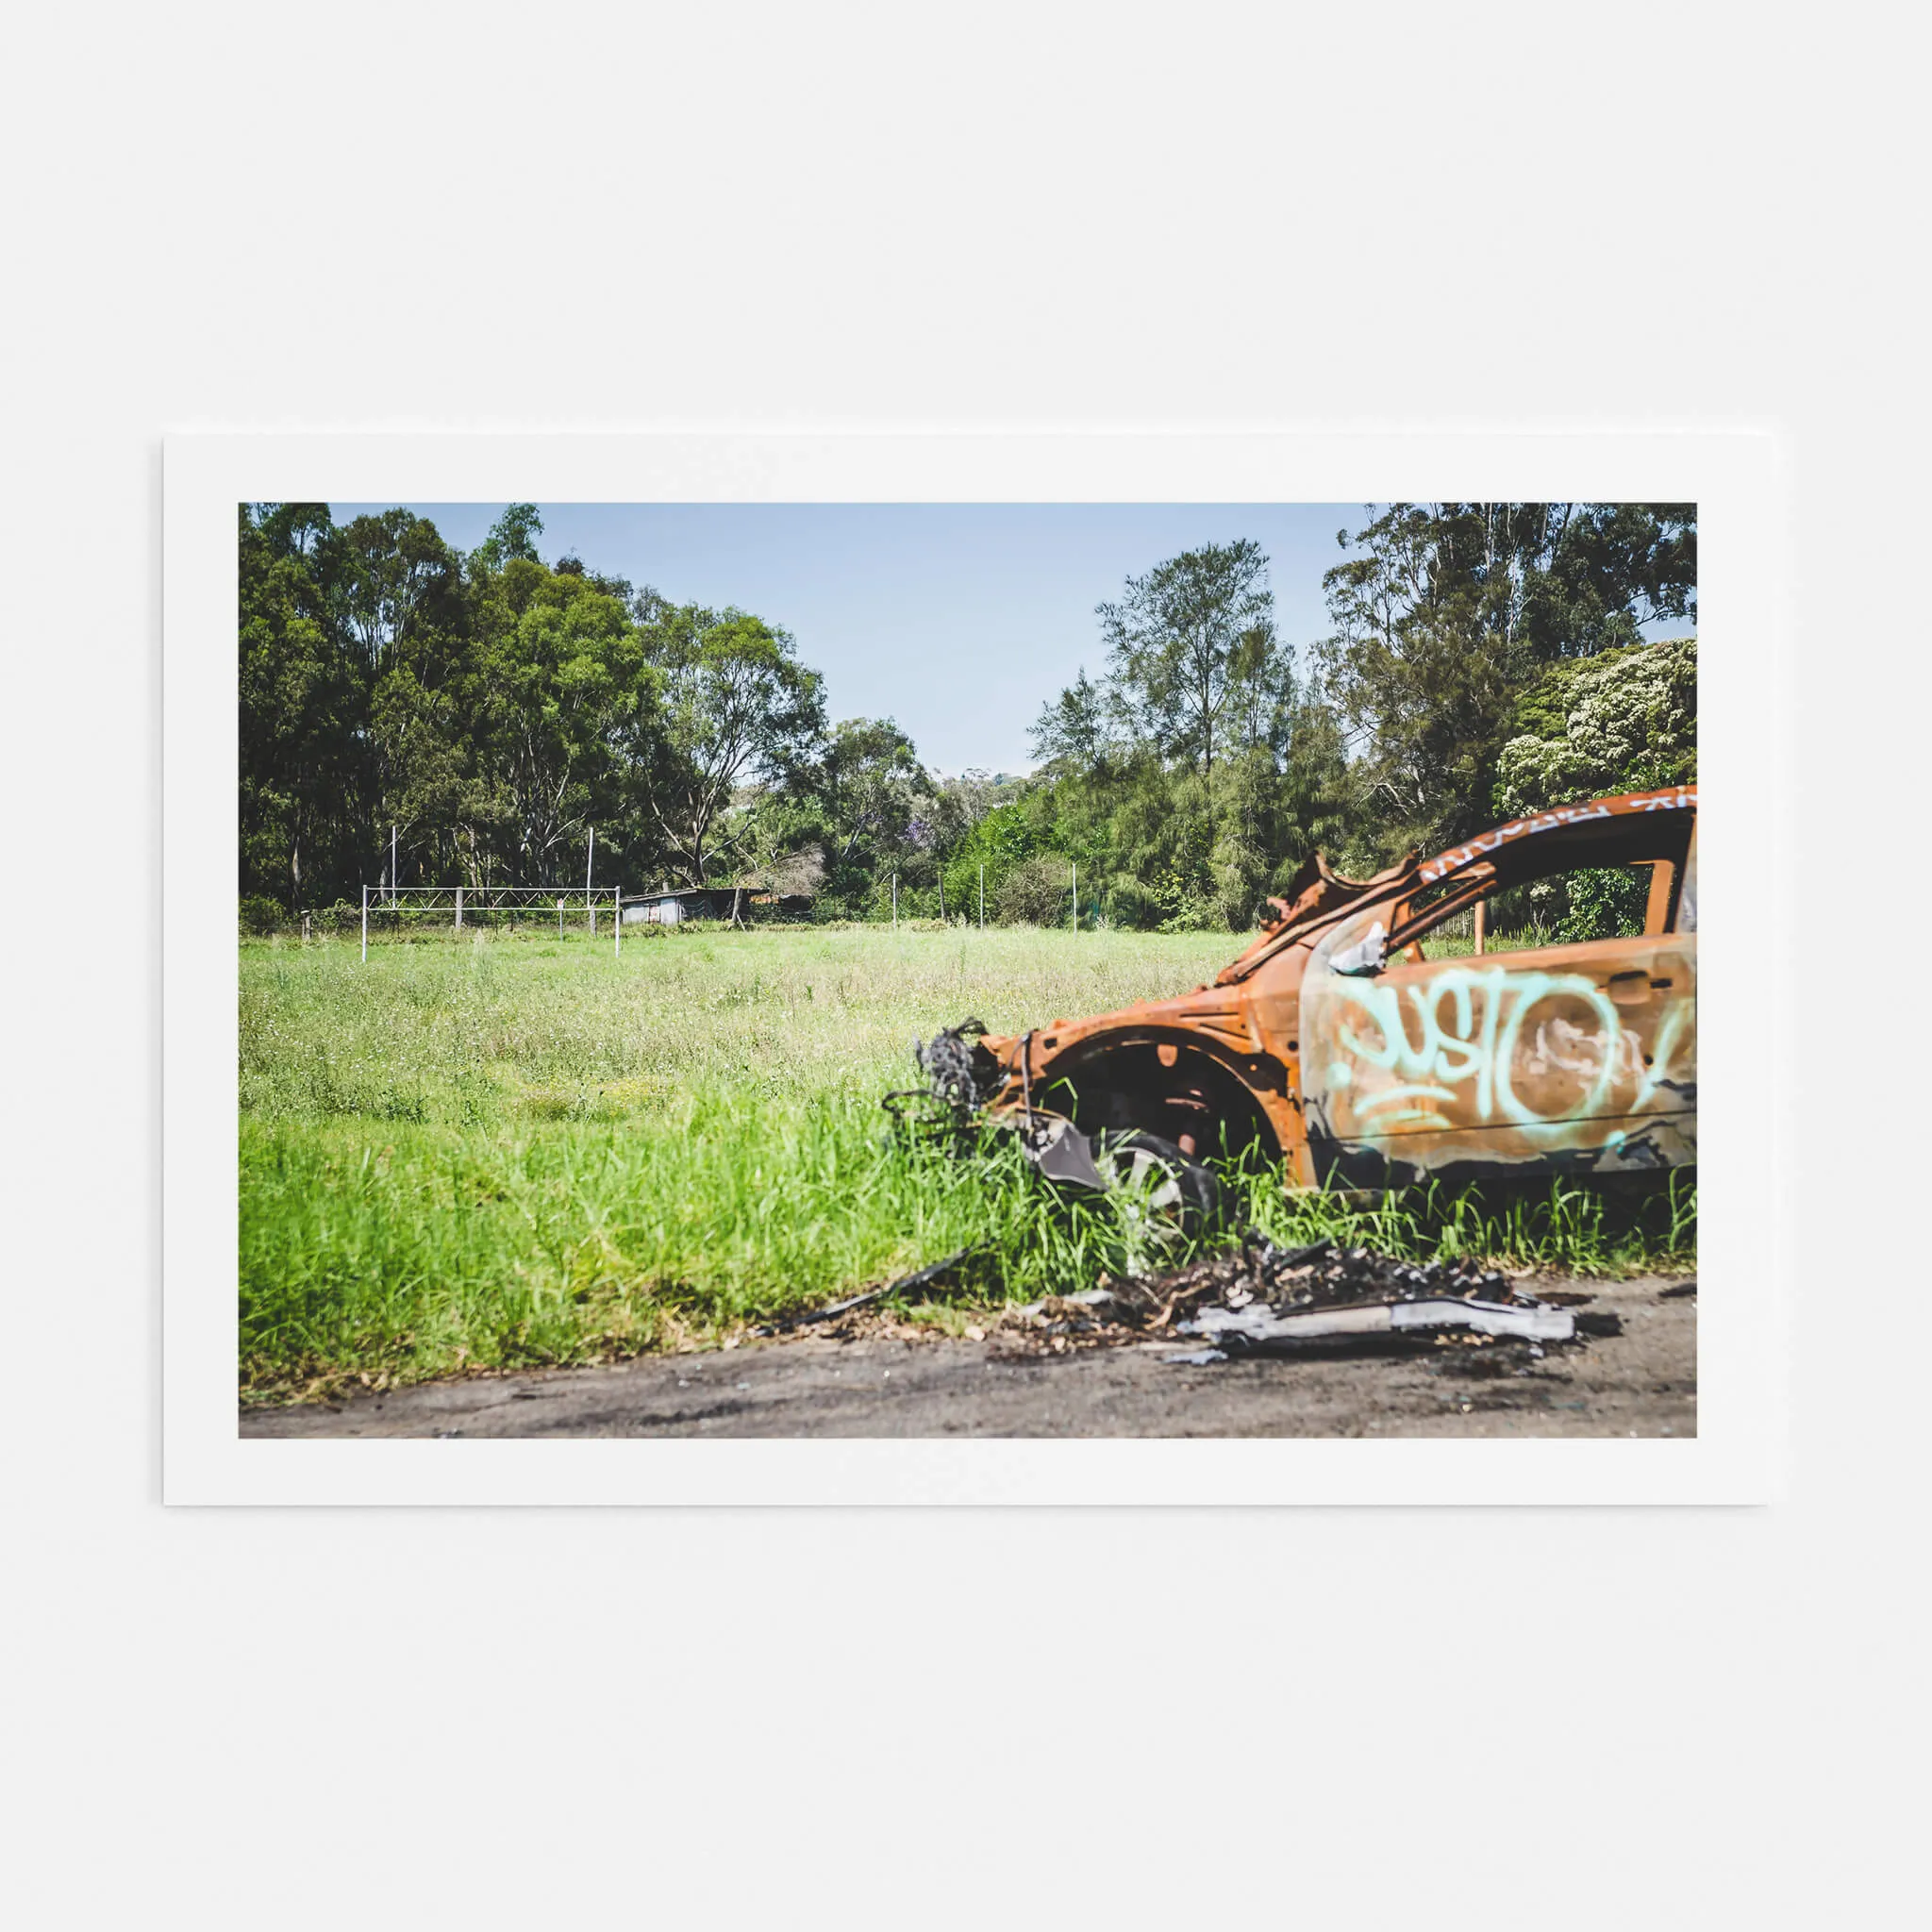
column 1625, row 721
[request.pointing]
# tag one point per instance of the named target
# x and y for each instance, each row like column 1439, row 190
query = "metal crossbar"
column 460, row 899
column 483, row 898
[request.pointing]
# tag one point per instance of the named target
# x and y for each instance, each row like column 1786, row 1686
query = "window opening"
column 1569, row 905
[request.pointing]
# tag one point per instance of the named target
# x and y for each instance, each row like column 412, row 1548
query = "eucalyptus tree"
column 395, row 570
column 1184, row 639
column 302, row 702
column 512, row 538
column 866, row 787
column 736, row 707
column 566, row 698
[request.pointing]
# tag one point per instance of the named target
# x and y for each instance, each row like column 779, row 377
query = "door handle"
column 1631, row 989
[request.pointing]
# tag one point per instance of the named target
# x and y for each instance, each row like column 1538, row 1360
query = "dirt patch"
column 1063, row 1370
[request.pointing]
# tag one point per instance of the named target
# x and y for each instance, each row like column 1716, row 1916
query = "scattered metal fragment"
column 1063, row 1153
column 948, row 1276
column 1433, row 1314
column 1322, row 1299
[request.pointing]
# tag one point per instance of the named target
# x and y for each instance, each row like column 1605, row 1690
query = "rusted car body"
column 1340, row 1046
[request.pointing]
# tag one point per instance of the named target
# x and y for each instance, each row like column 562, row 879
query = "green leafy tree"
column 736, row 705
column 304, row 752
column 564, row 685
column 1073, row 731
column 1277, row 810
column 1173, row 777
column 776, row 838
column 396, row 571
column 1183, row 640
column 1002, row 839
column 1593, row 575
column 1444, row 614
column 1483, row 660
column 513, row 538
column 1037, row 891
column 867, row 786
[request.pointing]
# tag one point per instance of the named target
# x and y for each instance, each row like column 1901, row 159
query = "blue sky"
column 957, row 619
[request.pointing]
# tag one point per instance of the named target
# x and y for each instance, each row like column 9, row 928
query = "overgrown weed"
column 1559, row 1225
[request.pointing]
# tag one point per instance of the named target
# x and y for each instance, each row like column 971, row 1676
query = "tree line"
column 1483, row 660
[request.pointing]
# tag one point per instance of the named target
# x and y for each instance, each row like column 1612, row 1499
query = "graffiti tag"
column 1683, row 799
column 1496, row 1047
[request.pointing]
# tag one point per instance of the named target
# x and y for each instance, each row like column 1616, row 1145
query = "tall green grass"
column 1564, row 1226
column 508, row 1151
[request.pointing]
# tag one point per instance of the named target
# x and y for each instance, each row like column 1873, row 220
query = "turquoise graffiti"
column 1495, row 1047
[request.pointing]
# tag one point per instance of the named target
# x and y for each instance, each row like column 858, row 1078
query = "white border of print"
column 1745, row 1043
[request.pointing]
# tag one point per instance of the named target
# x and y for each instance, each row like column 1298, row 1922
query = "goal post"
column 476, row 907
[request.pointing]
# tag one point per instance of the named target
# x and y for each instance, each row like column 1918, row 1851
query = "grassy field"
column 508, row 1151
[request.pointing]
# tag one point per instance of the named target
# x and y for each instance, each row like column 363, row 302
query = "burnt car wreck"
column 1360, row 1045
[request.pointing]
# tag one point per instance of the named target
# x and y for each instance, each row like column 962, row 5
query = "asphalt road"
column 1642, row 1382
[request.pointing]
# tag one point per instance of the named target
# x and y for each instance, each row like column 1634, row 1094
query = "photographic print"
column 960, row 970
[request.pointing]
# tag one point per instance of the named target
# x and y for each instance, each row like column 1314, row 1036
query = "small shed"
column 672, row 905
column 655, row 908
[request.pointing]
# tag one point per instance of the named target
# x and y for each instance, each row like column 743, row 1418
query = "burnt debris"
column 962, row 1077
column 1260, row 1299
column 1324, row 1299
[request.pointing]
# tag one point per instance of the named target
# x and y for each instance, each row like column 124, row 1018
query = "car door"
column 1537, row 1058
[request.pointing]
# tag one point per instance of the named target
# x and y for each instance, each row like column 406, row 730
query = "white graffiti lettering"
column 1684, row 798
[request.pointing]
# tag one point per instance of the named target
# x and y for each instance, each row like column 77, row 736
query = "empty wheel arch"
column 1167, row 1087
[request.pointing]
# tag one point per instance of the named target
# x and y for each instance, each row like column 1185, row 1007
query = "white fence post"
column 1076, row 896
column 459, row 909
column 365, row 925
column 895, row 902
column 982, row 898
column 616, row 923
